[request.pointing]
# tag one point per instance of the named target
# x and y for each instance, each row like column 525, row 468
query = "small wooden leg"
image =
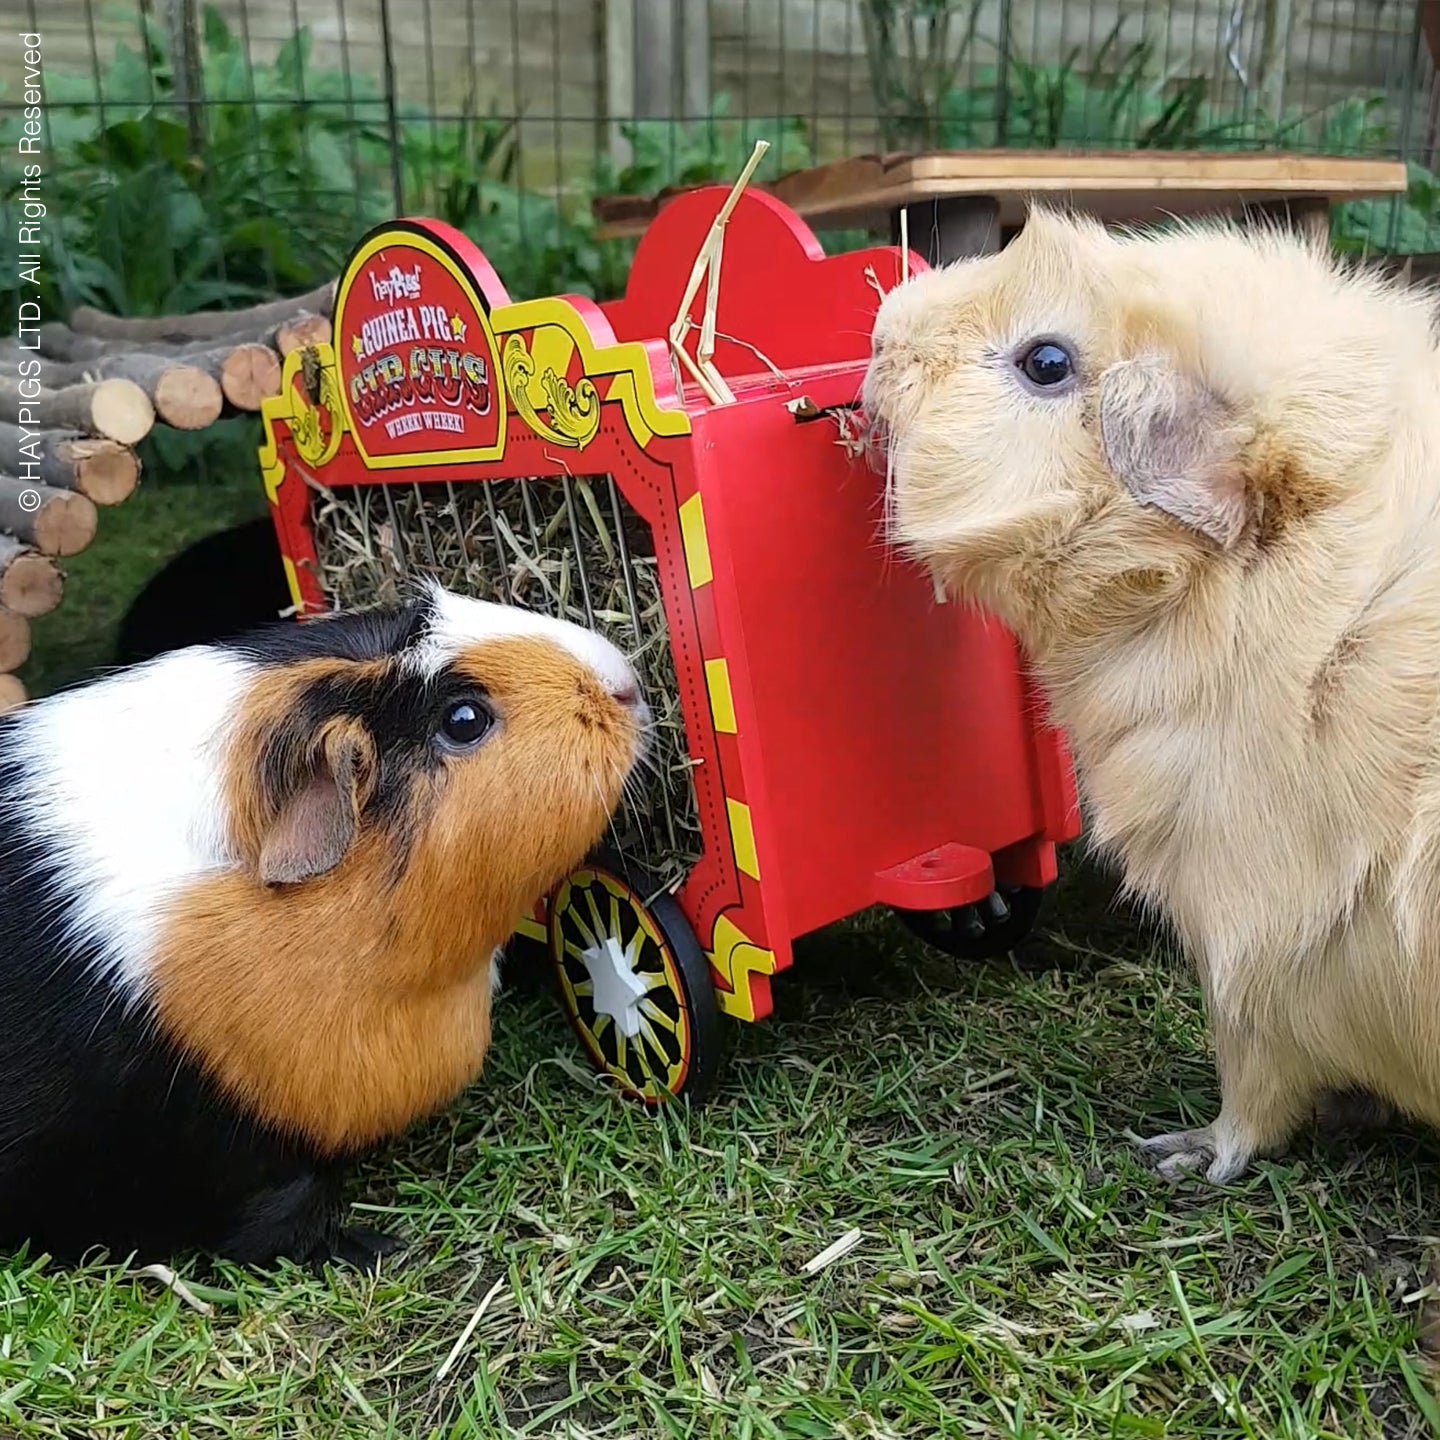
column 959, row 227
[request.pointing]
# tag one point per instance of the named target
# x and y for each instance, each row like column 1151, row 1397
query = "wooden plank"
column 1119, row 185
column 202, row 324
column 657, row 96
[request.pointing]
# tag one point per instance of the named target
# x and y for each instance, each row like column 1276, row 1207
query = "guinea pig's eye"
column 465, row 723
column 1046, row 365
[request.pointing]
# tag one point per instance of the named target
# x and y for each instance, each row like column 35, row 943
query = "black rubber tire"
column 994, row 926
column 687, row 994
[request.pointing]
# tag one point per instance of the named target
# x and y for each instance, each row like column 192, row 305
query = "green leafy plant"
column 448, row 166
column 704, row 152
column 140, row 224
column 1114, row 99
column 1119, row 99
column 1403, row 225
column 913, row 64
column 294, row 164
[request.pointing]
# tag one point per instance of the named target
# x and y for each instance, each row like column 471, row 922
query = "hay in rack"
column 569, row 547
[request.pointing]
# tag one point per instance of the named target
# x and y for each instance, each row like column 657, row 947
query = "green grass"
column 1019, row 1272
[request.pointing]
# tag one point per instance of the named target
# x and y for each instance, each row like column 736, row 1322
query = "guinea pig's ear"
column 1174, row 444
column 316, row 822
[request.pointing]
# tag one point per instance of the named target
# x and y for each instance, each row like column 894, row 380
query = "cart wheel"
column 992, row 926
column 635, row 982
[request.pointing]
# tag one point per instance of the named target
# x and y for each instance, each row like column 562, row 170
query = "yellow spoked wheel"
column 635, row 982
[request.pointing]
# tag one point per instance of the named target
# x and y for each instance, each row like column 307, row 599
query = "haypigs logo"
column 417, row 356
column 397, row 285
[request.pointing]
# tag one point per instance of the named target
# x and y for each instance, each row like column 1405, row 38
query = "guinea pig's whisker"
column 889, row 491
column 630, row 792
column 646, row 763
column 636, row 789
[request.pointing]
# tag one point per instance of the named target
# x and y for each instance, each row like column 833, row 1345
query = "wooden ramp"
column 67, row 444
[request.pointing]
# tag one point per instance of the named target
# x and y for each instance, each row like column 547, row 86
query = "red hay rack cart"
column 829, row 737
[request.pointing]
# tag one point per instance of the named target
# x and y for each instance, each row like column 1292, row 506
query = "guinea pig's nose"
column 627, row 693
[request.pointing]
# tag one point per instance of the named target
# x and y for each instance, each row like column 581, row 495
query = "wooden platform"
column 1133, row 185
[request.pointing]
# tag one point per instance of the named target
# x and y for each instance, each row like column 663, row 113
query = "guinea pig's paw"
column 362, row 1247
column 1190, row 1152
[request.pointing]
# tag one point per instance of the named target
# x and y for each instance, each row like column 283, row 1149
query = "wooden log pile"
column 67, row 444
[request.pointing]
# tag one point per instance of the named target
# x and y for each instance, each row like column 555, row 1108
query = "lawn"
column 577, row 1267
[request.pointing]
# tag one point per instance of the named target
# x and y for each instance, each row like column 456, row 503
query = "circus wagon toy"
column 678, row 469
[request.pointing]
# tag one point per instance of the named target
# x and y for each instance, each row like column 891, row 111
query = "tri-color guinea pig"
column 251, row 900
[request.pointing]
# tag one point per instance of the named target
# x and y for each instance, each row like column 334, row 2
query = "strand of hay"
column 568, row 547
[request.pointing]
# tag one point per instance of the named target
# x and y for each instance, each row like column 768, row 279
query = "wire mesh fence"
column 212, row 155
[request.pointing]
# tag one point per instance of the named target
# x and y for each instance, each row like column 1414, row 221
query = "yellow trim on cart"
column 736, row 957
column 722, row 699
column 300, row 417
column 628, row 360
column 293, row 581
column 622, row 390
column 272, row 477
column 574, row 410
column 697, row 546
column 742, row 833
column 557, row 332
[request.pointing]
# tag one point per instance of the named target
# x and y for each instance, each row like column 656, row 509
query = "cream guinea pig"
column 1198, row 475
column 251, row 895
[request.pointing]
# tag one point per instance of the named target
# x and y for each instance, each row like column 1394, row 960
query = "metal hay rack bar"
column 568, row 546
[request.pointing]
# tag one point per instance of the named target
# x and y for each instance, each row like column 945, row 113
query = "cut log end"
column 121, row 410
column 12, row 692
column 104, row 471
column 249, row 375
column 303, row 330
column 65, row 524
column 187, row 398
column 14, row 640
column 30, row 584
column 55, row 522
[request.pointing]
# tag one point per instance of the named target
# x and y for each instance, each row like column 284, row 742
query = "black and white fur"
column 109, row 804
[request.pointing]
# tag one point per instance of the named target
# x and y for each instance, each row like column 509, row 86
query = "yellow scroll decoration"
column 318, row 389
column 574, row 410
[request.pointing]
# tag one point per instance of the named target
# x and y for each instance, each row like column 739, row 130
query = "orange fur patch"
column 344, row 1008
